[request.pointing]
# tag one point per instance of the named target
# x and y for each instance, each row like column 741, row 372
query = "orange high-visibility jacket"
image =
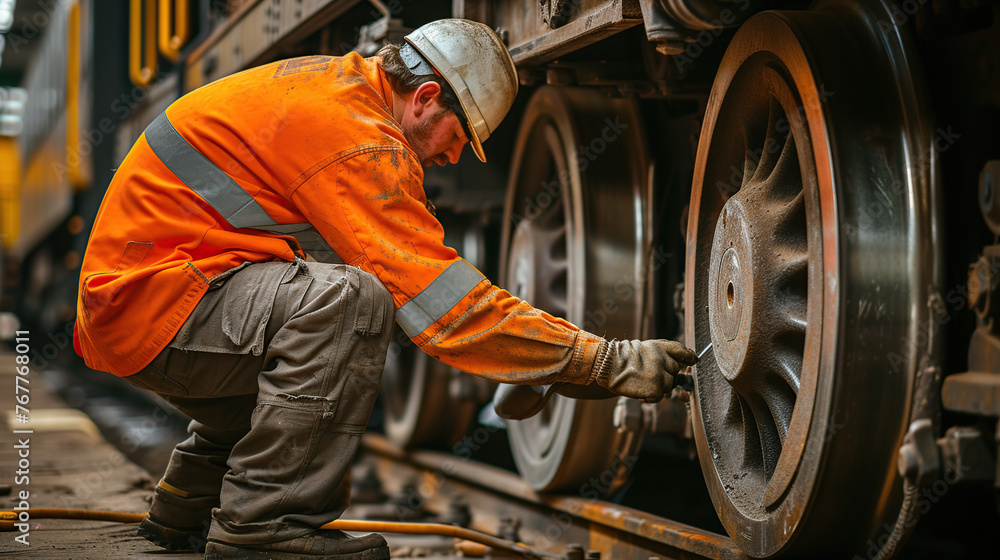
column 300, row 155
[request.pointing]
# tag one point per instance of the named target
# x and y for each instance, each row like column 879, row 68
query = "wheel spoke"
column 751, row 454
column 734, row 410
column 791, row 321
column 558, row 289
column 551, row 211
column 740, row 417
column 551, row 279
column 781, row 402
column 772, row 146
column 789, row 367
column 553, row 240
column 767, row 432
column 785, row 179
column 789, row 218
column 754, row 135
column 793, row 266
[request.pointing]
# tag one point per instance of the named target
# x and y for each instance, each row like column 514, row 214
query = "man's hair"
column 404, row 82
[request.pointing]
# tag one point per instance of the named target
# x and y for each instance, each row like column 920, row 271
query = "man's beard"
column 419, row 135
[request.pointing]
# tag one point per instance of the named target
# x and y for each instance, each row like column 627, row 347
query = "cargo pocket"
column 373, row 316
column 249, row 301
column 372, row 310
column 233, row 319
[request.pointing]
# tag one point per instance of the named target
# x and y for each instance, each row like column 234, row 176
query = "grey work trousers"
column 279, row 368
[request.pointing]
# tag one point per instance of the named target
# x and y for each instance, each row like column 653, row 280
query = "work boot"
column 323, row 544
column 177, row 520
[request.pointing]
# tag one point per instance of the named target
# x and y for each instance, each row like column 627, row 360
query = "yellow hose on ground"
column 9, row 518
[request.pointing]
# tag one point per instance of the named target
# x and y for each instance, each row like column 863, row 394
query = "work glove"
column 641, row 369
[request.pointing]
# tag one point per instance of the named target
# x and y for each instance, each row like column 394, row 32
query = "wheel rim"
column 765, row 271
column 555, row 257
column 399, row 372
column 420, row 407
column 780, row 254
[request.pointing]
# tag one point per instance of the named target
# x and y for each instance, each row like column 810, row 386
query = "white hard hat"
column 477, row 66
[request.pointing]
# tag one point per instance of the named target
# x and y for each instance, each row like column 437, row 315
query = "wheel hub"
column 746, row 284
column 730, row 291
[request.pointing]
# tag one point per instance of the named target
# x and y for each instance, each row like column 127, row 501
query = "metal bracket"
column 966, row 456
column 555, row 13
column 375, row 35
column 918, row 459
column 665, row 417
column 668, row 37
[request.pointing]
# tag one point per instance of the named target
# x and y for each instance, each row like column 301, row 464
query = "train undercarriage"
column 806, row 194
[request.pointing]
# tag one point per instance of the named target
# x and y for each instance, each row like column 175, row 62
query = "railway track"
column 390, row 484
column 499, row 502
column 77, row 468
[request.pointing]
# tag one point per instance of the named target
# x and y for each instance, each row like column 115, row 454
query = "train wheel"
column 419, row 397
column 419, row 408
column 811, row 260
column 573, row 245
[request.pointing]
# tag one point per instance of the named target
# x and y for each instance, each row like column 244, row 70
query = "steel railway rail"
column 499, row 500
column 430, row 493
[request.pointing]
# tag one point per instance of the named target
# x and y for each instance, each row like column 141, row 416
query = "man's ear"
column 423, row 95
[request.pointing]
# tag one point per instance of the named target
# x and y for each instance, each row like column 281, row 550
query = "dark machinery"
column 795, row 187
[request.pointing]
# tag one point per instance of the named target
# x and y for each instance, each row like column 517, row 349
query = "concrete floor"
column 71, row 465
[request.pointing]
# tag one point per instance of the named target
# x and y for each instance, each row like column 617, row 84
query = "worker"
column 248, row 260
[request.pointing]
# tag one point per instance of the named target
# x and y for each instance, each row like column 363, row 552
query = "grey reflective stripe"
column 223, row 193
column 309, row 239
column 204, row 177
column 438, row 298
column 315, row 246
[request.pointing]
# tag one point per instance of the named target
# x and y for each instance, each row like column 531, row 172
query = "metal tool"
column 685, row 381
